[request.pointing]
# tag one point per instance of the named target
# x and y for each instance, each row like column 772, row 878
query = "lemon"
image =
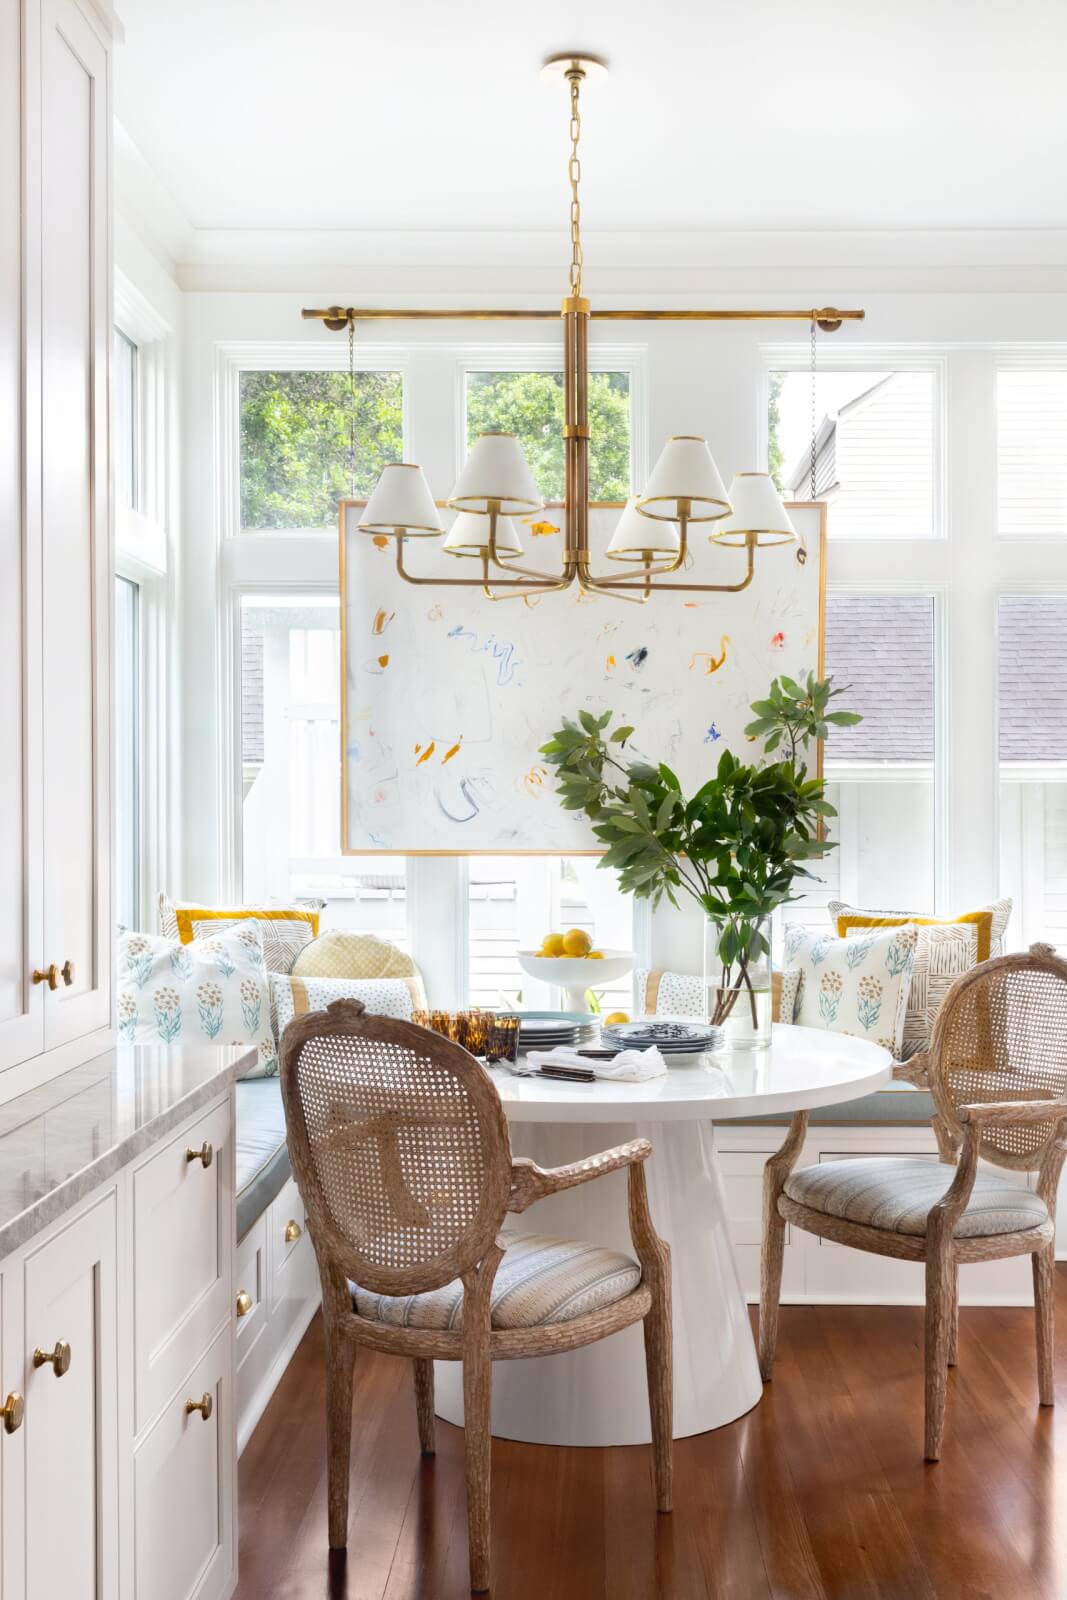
column 576, row 942
column 554, row 944
column 596, row 955
column 617, row 1016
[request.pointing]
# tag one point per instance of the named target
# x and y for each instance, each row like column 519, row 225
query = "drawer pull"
column 205, row 1154
column 244, row 1303
column 293, row 1230
column 58, row 1359
column 205, row 1405
column 66, row 972
column 13, row 1410
column 50, row 975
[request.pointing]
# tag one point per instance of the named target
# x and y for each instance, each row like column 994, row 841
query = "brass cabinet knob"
column 50, row 975
column 13, row 1410
column 205, row 1405
column 205, row 1154
column 244, row 1303
column 58, row 1359
column 293, row 1230
column 67, row 972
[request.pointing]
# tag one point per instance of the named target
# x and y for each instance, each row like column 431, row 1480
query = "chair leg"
column 1044, row 1264
column 424, row 1404
column 659, row 1368
column 770, row 1284
column 940, row 1277
column 954, row 1326
column 477, row 1389
column 340, row 1362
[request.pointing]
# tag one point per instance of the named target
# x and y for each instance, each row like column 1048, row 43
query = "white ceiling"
column 717, row 114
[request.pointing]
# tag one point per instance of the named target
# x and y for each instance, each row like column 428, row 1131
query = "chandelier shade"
column 636, row 537
column 685, row 482
column 401, row 503
column 470, row 533
column 757, row 513
column 496, row 477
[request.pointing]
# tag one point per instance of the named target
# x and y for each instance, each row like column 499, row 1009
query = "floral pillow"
column 858, row 986
column 211, row 991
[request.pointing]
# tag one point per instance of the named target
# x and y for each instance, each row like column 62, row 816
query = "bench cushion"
column 262, row 1158
column 897, row 1192
column 540, row 1280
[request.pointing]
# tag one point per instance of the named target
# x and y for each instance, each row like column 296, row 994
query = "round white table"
column 597, row 1396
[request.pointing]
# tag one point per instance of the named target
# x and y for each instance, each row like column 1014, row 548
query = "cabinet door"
column 21, row 1004
column 183, row 1488
column 76, row 536
column 71, row 1426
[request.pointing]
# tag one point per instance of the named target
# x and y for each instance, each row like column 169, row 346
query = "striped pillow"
column 541, row 1280
column 285, row 929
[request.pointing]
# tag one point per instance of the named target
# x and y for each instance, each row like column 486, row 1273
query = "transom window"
column 1032, row 452
column 530, row 404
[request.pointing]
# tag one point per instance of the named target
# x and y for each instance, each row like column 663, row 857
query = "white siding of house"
column 885, row 461
column 1032, row 453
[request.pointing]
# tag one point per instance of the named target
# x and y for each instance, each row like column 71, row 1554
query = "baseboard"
column 257, row 1404
column 851, row 1299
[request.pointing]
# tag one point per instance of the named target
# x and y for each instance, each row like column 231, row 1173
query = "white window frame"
column 872, row 357
column 1050, row 357
column 233, row 359
column 142, row 539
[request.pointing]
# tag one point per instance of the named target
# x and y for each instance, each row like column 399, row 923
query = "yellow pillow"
column 990, row 921
column 286, row 929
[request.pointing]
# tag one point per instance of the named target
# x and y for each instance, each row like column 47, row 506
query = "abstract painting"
column 447, row 695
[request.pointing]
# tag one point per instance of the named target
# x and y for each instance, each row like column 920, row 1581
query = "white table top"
column 803, row 1068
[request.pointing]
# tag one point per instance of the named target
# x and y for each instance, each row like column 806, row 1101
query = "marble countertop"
column 60, row 1141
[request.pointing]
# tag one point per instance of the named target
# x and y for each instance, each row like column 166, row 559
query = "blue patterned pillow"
column 857, row 986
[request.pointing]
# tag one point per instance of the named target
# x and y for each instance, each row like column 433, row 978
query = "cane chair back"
column 399, row 1145
column 1001, row 1035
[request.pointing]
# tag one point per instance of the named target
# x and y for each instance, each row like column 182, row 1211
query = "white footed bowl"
column 576, row 974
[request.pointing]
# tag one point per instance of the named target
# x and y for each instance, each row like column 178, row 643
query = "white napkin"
column 629, row 1066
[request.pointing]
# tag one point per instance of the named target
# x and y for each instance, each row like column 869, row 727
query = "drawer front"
column 289, row 1224
column 250, row 1288
column 294, row 1269
column 183, row 1489
column 182, row 1217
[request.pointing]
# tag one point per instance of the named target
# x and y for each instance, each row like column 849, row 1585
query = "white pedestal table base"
column 598, row 1396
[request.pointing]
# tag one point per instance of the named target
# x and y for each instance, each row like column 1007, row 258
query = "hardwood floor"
column 821, row 1491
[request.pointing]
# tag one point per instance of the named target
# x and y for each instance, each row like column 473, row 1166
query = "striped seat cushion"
column 895, row 1193
column 540, row 1280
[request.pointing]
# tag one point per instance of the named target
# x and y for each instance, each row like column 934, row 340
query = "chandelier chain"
column 574, row 170
column 814, row 452
column 352, row 401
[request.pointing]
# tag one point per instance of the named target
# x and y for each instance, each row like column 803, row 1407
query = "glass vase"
column 737, row 981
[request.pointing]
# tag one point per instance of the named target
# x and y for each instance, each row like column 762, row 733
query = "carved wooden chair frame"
column 510, row 1185
column 964, row 1132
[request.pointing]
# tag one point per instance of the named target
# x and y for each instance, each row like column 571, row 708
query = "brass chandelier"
column 496, row 484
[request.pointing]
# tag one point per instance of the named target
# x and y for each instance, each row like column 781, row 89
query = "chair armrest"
column 1005, row 1111
column 914, row 1071
column 530, row 1183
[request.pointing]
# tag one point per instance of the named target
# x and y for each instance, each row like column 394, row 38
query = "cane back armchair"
column 400, row 1149
column 997, row 1070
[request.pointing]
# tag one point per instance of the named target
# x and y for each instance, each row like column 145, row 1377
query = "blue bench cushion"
column 262, row 1158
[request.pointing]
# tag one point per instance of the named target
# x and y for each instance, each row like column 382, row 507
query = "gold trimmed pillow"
column 284, row 929
column 946, row 948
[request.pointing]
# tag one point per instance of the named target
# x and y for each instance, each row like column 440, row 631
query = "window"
column 530, row 404
column 1032, row 736
column 291, row 769
column 881, row 772
column 127, row 753
column 125, row 360
column 875, row 449
column 307, row 437
column 1032, row 452
column 516, row 900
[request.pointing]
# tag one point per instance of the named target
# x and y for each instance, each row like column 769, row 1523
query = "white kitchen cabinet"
column 55, row 538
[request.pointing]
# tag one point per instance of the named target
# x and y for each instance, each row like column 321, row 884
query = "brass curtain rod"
column 826, row 318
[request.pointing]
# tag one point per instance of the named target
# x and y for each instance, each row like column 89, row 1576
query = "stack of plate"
column 670, row 1038
column 544, row 1030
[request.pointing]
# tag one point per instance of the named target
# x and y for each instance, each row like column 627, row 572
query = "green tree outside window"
column 296, row 451
column 530, row 404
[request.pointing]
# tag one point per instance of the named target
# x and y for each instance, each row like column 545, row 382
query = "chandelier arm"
column 469, row 583
column 561, row 580
column 604, row 585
